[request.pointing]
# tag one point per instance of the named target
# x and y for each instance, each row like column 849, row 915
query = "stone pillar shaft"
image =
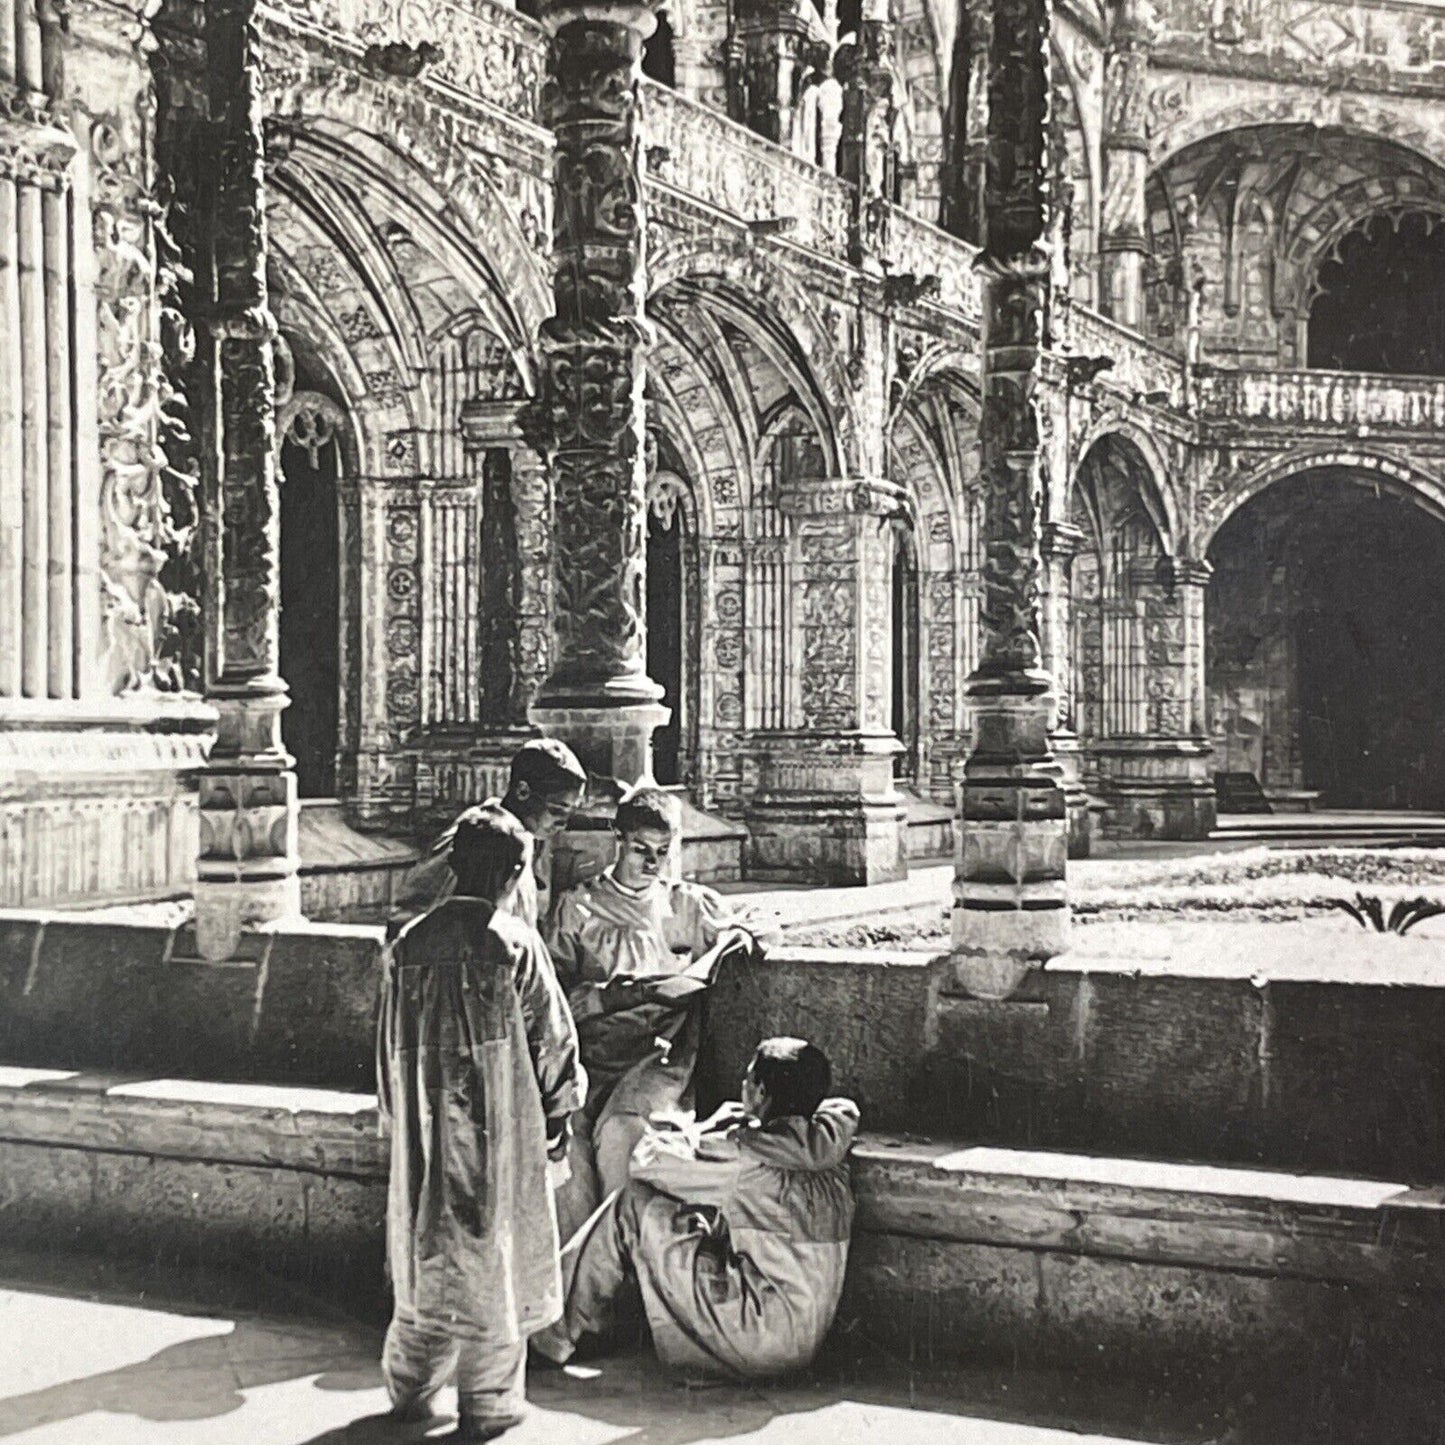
column 1010, row 908
column 1123, row 213
column 964, row 205
column 248, row 807
column 865, row 153
column 37, row 481
column 589, row 419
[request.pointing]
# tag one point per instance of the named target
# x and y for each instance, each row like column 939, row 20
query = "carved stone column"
column 248, row 851
column 963, row 209
column 826, row 809
column 589, row 419
column 1124, row 213
column 1011, row 909
column 1061, row 543
column 866, row 154
column 1158, row 783
column 770, row 54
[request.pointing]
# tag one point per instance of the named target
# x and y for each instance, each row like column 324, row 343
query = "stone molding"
column 837, row 496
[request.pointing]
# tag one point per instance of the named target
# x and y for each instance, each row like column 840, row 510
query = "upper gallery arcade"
column 301, row 428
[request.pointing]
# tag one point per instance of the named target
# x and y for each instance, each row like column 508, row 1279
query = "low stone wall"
column 298, row 1006
column 1232, row 1065
column 1314, row 1073
column 957, row 1253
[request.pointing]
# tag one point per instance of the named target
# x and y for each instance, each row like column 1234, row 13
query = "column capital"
column 835, row 496
column 486, row 424
column 1175, row 572
column 1062, row 541
column 638, row 16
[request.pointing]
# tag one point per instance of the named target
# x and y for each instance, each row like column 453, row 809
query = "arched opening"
column 666, row 619
column 905, row 626
column 659, row 61
column 311, row 468
column 1326, row 643
column 1116, row 595
column 1380, row 302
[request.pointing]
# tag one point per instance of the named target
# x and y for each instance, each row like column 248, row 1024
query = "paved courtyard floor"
column 94, row 1353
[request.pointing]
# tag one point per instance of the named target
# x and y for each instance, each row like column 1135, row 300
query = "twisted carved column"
column 1123, row 212
column 1011, row 909
column 589, row 419
column 248, row 808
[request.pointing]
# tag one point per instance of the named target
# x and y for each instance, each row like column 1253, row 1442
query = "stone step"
column 957, row 1251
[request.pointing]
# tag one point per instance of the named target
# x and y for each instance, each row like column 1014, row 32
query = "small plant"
column 1368, row 911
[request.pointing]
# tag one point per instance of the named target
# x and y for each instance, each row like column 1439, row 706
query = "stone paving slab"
column 117, row 1356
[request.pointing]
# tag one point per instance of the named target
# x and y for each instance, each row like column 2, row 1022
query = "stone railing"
column 1333, row 400
column 709, row 158
column 1138, row 365
column 916, row 247
column 487, row 51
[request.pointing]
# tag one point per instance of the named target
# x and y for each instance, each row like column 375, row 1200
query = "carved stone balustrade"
column 917, row 248
column 486, row 52
column 1332, row 402
column 1145, row 370
column 711, row 159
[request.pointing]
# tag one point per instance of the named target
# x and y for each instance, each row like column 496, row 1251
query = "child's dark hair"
column 796, row 1075
column 489, row 849
column 547, row 767
column 648, row 808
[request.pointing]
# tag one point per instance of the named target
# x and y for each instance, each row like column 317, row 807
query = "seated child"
column 634, row 948
column 734, row 1232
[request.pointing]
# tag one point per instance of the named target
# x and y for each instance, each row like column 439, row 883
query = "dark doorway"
column 665, row 632
column 905, row 652
column 1381, row 305
column 310, row 600
column 659, row 62
column 1326, row 625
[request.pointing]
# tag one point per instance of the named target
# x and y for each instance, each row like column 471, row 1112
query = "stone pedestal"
column 1123, row 213
column 1010, row 904
column 826, row 808
column 248, row 843
column 1155, row 788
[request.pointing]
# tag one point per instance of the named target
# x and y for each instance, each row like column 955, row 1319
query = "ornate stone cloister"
column 390, row 381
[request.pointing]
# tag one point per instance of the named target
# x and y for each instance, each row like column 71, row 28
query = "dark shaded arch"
column 1379, row 298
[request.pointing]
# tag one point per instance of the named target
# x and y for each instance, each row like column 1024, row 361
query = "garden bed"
column 1262, row 885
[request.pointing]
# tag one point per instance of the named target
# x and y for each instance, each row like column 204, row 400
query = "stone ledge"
column 1323, row 1228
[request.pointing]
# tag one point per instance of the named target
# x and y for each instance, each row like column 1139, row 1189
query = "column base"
column 249, row 824
column 611, row 741
column 1069, row 755
column 1011, row 909
column 453, row 771
column 1155, row 788
column 826, row 810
